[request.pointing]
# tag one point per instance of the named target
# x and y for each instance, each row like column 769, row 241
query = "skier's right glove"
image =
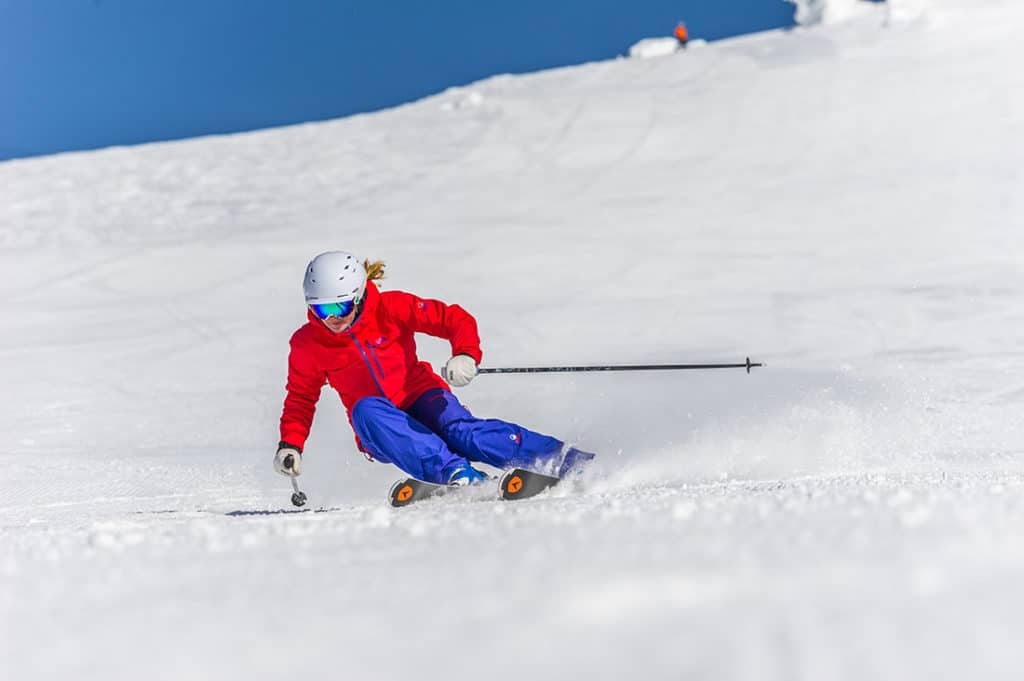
column 288, row 460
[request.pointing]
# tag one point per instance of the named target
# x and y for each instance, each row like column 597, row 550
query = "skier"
column 360, row 341
column 682, row 34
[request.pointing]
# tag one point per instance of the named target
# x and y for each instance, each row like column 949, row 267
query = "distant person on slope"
column 682, row 34
column 360, row 341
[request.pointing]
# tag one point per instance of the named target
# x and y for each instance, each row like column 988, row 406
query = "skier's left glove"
column 288, row 460
column 460, row 370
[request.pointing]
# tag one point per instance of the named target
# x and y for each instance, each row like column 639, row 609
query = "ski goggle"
column 325, row 310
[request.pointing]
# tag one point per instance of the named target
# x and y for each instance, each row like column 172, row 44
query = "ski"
column 520, row 483
column 411, row 490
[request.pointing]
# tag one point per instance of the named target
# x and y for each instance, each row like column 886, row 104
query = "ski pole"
column 748, row 365
column 299, row 497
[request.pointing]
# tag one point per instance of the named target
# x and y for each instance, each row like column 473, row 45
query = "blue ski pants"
column 437, row 435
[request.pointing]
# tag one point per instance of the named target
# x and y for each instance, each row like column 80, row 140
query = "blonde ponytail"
column 374, row 270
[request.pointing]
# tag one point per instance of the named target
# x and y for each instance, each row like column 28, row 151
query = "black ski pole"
column 748, row 365
column 299, row 497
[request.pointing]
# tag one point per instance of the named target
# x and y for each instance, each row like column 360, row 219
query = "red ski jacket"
column 376, row 356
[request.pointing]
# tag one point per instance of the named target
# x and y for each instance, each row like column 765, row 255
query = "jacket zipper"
column 369, row 366
column 376, row 360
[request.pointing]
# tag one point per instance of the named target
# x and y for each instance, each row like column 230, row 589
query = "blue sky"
column 83, row 74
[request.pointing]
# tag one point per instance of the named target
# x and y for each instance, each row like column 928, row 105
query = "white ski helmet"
column 334, row 277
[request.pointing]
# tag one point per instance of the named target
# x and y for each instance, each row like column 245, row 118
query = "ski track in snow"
column 816, row 199
column 692, row 579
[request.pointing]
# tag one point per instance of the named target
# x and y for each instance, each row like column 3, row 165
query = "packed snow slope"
column 842, row 202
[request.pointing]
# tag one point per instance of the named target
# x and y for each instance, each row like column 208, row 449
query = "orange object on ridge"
column 682, row 35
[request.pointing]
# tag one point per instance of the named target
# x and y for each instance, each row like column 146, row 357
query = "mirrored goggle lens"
column 342, row 309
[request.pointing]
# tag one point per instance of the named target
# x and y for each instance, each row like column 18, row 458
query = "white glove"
column 459, row 370
column 288, row 461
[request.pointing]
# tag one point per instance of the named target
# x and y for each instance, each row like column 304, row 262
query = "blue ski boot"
column 466, row 475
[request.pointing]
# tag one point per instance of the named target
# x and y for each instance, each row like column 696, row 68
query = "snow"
column 653, row 48
column 833, row 11
column 841, row 202
column 648, row 48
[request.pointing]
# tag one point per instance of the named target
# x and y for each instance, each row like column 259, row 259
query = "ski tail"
column 411, row 490
column 520, row 483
